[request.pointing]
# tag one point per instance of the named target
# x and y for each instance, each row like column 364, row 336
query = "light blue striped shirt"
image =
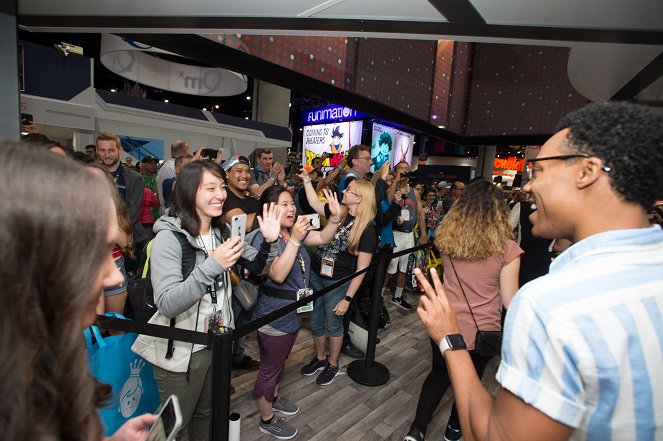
column 584, row 344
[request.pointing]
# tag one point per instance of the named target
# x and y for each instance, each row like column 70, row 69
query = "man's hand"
column 384, row 170
column 270, row 222
column 434, row 308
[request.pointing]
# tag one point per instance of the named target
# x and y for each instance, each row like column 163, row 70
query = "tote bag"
column 135, row 391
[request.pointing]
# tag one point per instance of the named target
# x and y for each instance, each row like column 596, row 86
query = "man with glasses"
column 583, row 345
column 457, row 188
column 359, row 160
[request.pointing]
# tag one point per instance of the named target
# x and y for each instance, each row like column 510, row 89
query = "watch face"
column 456, row 341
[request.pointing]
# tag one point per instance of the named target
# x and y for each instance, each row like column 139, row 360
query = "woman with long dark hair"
column 287, row 279
column 202, row 298
column 57, row 228
column 481, row 263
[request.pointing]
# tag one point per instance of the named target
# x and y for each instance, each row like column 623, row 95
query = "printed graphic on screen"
column 390, row 144
column 142, row 147
column 332, row 139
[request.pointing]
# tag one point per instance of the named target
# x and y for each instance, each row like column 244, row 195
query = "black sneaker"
column 351, row 350
column 314, row 366
column 401, row 303
column 452, row 434
column 328, row 374
column 414, row 435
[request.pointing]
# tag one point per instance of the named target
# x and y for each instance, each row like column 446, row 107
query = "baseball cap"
column 234, row 160
column 150, row 159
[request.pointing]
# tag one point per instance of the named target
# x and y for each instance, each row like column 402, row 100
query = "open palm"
column 270, row 222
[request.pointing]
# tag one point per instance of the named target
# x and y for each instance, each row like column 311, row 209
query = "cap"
column 234, row 160
column 149, row 159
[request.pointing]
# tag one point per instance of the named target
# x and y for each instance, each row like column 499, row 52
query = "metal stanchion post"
column 222, row 346
column 369, row 372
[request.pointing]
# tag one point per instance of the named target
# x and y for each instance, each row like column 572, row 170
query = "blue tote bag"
column 135, row 391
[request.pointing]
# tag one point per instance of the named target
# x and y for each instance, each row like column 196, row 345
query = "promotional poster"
column 334, row 139
column 390, row 144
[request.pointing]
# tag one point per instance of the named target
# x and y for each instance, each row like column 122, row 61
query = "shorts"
column 403, row 242
column 322, row 319
column 122, row 287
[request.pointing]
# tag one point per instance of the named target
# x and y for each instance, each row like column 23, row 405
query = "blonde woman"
column 349, row 251
column 481, row 264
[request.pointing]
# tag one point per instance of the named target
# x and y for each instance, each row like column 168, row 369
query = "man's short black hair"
column 628, row 138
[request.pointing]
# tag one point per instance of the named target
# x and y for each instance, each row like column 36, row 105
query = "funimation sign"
column 329, row 114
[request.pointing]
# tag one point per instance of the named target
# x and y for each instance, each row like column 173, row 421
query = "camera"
column 412, row 176
column 209, row 153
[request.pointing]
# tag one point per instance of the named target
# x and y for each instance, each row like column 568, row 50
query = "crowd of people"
column 582, row 337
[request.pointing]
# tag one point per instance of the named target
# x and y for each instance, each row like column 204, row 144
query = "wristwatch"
column 348, row 299
column 452, row 342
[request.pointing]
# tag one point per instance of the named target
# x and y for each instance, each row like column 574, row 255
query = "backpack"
column 140, row 292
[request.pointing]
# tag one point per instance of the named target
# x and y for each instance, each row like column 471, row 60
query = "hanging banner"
column 390, row 144
column 333, row 139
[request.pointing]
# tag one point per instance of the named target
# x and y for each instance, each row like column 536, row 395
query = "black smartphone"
column 209, row 153
column 26, row 119
column 412, row 176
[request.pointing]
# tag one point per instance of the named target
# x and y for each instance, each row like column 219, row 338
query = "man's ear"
column 589, row 173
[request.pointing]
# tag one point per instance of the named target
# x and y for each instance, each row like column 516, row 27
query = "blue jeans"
column 322, row 319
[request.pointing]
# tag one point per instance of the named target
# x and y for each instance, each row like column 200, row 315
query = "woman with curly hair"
column 481, row 263
column 57, row 228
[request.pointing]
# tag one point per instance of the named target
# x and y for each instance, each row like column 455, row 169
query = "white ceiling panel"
column 411, row 10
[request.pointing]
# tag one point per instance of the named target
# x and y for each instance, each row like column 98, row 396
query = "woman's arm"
column 282, row 265
column 323, row 237
column 323, row 183
column 509, row 281
column 311, row 195
column 363, row 261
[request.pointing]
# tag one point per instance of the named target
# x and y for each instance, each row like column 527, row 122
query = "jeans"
column 322, row 319
column 436, row 384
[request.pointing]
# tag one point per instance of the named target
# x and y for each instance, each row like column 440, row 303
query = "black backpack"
column 140, row 292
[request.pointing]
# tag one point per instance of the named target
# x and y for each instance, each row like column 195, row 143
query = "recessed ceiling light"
column 205, row 108
column 248, row 97
column 216, row 106
column 246, row 117
column 165, row 101
column 113, row 90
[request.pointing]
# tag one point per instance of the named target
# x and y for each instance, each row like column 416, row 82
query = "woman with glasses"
column 287, row 279
column 350, row 250
column 481, row 263
column 200, row 300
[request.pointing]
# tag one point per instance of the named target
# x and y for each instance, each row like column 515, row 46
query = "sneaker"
column 278, row 428
column 281, row 404
column 401, row 303
column 247, row 363
column 314, row 366
column 351, row 350
column 327, row 376
column 452, row 434
column 414, row 435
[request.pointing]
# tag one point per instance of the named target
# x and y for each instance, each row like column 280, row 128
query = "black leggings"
column 436, row 385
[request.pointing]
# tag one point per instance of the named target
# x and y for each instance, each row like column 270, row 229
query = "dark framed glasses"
column 531, row 172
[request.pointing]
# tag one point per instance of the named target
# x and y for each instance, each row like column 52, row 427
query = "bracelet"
column 348, row 299
column 307, row 180
column 340, row 168
column 334, row 221
column 273, row 241
column 295, row 243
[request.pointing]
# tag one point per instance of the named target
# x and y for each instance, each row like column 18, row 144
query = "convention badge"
column 327, row 267
column 405, row 214
column 302, row 293
column 215, row 321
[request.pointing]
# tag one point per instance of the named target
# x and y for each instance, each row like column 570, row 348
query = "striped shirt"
column 584, row 344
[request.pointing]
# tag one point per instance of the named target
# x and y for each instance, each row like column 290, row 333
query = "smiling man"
column 583, row 345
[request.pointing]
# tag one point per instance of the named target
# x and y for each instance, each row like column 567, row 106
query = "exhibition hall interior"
column 457, row 89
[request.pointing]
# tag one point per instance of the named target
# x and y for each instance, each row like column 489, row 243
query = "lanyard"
column 302, row 262
column 211, row 290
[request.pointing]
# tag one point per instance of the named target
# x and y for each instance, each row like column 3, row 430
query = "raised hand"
column 384, row 170
column 300, row 229
column 228, row 252
column 334, row 205
column 270, row 222
column 434, row 308
column 303, row 174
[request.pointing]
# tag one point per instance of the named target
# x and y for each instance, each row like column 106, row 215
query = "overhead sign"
column 329, row 114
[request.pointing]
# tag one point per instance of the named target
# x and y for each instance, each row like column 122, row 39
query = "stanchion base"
column 376, row 375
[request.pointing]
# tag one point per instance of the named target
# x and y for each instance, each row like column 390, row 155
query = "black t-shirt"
column 344, row 262
column 303, row 202
column 248, row 205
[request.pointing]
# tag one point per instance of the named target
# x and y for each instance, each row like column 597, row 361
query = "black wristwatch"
column 452, row 342
column 348, row 299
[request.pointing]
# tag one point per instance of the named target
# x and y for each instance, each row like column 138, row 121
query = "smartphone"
column 209, row 153
column 168, row 422
column 238, row 226
column 313, row 220
column 26, row 119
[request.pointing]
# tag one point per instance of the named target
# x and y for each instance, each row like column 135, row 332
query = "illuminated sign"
column 511, row 163
column 329, row 114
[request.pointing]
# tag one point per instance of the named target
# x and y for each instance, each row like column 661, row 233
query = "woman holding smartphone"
column 200, row 300
column 287, row 279
column 350, row 250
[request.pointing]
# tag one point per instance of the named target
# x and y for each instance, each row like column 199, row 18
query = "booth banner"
column 133, row 60
column 427, row 174
column 333, row 139
column 390, row 144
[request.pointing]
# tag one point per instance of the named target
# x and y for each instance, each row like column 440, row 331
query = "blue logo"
column 329, row 114
column 140, row 46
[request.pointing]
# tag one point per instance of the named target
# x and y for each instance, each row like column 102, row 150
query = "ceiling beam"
column 652, row 72
column 458, row 11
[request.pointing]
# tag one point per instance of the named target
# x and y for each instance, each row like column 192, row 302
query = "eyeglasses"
column 365, row 157
column 531, row 171
column 350, row 191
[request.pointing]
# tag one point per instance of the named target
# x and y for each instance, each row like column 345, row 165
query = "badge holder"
column 303, row 293
column 327, row 267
